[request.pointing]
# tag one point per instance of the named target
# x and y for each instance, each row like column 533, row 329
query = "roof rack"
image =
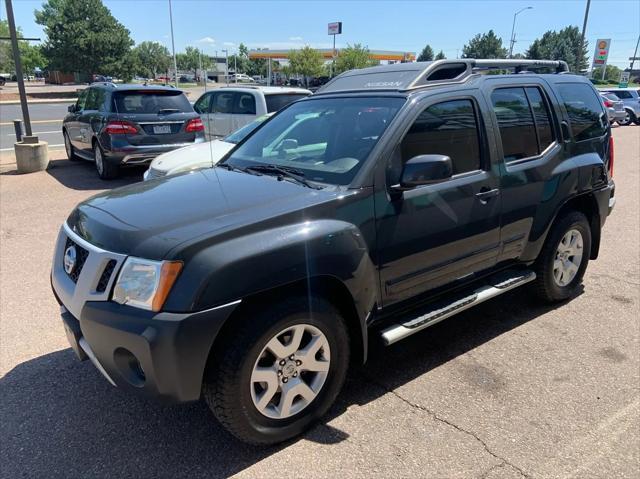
column 409, row 76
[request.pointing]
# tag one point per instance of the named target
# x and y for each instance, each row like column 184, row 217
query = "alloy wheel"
column 99, row 160
column 67, row 145
column 290, row 371
column 568, row 258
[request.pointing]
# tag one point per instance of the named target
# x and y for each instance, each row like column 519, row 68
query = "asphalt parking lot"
column 506, row 390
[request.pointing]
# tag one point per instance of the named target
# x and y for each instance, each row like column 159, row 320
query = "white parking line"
column 50, row 146
column 39, row 132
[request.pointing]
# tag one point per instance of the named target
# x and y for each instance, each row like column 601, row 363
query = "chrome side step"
column 495, row 286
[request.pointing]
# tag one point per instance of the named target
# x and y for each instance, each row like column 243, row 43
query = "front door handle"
column 486, row 194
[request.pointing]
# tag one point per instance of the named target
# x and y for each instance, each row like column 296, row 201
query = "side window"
column 623, row 95
column 246, row 104
column 203, row 105
column 92, row 100
column 541, row 116
column 585, row 110
column 449, row 128
column 82, row 99
column 223, row 102
column 515, row 121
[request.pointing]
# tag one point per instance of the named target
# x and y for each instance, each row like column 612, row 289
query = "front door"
column 434, row 234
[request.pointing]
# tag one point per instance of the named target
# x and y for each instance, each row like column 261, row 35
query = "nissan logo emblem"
column 70, row 259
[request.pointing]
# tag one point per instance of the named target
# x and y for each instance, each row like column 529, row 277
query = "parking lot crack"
column 443, row 420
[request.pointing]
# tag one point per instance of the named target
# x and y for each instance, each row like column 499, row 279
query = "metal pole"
column 333, row 55
column 584, row 29
column 226, row 65
column 635, row 53
column 17, row 126
column 173, row 45
column 18, row 62
column 513, row 29
column 235, row 67
column 269, row 72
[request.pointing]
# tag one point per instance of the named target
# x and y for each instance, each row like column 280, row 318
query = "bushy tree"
column 189, row 59
column 426, row 55
column 152, row 58
column 306, row 61
column 611, row 74
column 82, row 36
column 561, row 45
column 354, row 57
column 484, row 45
column 31, row 55
column 440, row 56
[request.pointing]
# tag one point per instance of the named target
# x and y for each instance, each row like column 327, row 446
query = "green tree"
column 354, row 57
column 152, row 58
column 82, row 36
column 307, row 62
column 440, row 56
column 611, row 73
column 561, row 45
column 30, row 54
column 426, row 55
column 485, row 45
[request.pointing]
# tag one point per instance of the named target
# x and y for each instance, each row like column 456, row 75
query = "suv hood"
column 151, row 218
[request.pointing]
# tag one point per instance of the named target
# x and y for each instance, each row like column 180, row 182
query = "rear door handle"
column 485, row 195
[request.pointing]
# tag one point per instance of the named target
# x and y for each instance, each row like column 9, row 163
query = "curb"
column 47, row 100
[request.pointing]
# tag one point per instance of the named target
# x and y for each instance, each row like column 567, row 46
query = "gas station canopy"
column 328, row 54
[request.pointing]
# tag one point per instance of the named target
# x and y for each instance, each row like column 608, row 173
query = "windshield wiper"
column 285, row 171
column 230, row 167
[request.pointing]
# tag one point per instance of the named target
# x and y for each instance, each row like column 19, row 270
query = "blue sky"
column 383, row 25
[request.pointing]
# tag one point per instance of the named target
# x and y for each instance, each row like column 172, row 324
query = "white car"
column 200, row 155
column 226, row 109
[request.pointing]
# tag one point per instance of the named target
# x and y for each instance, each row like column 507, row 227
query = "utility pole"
column 581, row 44
column 235, row 67
column 226, row 65
column 634, row 57
column 173, row 45
column 513, row 30
column 18, row 63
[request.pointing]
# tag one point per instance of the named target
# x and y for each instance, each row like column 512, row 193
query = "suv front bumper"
column 159, row 354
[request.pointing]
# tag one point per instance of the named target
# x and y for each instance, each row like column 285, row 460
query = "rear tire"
column 628, row 119
column 71, row 154
column 563, row 260
column 106, row 170
column 258, row 412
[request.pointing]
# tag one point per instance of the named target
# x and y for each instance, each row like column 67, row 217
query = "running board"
column 434, row 313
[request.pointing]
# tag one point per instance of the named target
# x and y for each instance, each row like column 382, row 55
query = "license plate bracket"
column 161, row 129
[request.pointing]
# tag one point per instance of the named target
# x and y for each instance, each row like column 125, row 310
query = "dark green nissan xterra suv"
column 393, row 198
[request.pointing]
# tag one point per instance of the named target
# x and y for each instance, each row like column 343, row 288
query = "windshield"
column 328, row 140
column 239, row 135
column 149, row 101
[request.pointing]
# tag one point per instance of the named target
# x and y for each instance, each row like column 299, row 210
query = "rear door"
column 527, row 136
column 160, row 116
column 244, row 109
column 92, row 118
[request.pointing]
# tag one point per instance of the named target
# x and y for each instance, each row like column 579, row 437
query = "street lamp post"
column 226, row 65
column 173, row 46
column 513, row 29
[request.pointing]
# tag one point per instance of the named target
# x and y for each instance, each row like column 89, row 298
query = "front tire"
column 68, row 147
column 563, row 260
column 279, row 371
column 628, row 119
column 106, row 170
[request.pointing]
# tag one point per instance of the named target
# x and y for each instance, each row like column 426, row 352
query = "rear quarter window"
column 585, row 110
column 279, row 101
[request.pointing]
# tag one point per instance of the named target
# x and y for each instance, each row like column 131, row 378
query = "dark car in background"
column 125, row 125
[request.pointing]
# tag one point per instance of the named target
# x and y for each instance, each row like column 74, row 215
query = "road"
column 46, row 122
column 510, row 389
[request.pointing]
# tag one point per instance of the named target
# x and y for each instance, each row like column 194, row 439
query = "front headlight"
column 144, row 283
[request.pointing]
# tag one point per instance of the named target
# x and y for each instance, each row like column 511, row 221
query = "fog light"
column 129, row 367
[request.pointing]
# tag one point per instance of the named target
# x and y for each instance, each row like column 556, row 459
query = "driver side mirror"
column 424, row 170
column 71, row 108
